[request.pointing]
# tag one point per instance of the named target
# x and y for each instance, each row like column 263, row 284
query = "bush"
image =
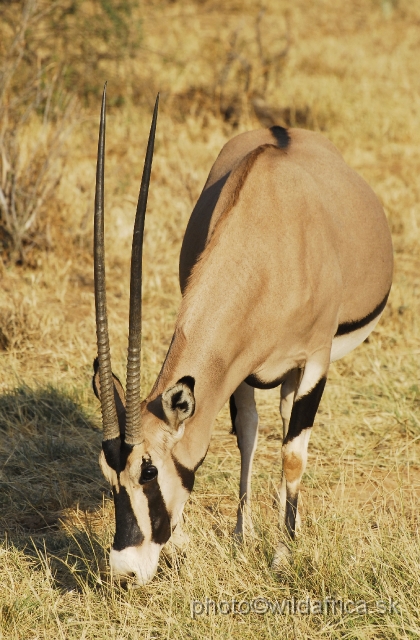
column 49, row 56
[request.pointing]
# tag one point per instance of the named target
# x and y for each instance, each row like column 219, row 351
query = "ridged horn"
column 133, row 403
column 109, row 413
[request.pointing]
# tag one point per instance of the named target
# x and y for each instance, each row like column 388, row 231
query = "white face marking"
column 342, row 345
column 142, row 561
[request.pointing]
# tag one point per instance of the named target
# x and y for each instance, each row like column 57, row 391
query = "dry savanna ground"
column 349, row 69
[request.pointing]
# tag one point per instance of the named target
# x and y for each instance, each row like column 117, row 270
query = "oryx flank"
column 286, row 266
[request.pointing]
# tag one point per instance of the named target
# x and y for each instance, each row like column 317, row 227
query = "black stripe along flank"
column 353, row 325
column 254, row 381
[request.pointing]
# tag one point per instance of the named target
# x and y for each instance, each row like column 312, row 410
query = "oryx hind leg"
column 245, row 424
column 295, row 450
column 287, row 396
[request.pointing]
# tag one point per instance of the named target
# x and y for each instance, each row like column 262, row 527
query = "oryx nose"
column 139, row 563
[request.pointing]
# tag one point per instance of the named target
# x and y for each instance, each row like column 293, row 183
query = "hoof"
column 238, row 537
column 242, row 536
column 244, row 529
column 283, row 558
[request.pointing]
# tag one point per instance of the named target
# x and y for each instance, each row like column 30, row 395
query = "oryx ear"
column 119, row 395
column 178, row 402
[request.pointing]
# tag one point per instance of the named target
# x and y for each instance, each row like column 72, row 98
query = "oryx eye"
column 148, row 473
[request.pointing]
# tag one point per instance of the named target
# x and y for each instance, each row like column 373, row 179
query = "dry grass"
column 350, row 69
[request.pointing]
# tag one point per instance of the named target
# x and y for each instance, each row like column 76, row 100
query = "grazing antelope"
column 286, row 266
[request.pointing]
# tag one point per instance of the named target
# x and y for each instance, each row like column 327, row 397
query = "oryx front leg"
column 245, row 423
column 295, row 455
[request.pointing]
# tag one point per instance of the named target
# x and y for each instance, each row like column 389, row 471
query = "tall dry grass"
column 348, row 69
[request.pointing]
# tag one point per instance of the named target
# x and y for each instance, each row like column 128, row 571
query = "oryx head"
column 149, row 484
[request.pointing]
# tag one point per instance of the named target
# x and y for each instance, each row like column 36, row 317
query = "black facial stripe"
column 304, row 411
column 158, row 513
column 186, row 475
column 233, row 412
column 281, row 135
column 116, row 453
column 254, row 381
column 127, row 531
column 353, row 325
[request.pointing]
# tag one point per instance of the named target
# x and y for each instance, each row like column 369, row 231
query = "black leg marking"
column 348, row 327
column 291, row 511
column 303, row 415
column 127, row 531
column 233, row 412
column 304, row 411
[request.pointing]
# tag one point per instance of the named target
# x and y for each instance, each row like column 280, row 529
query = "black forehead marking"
column 127, row 530
column 186, row 475
column 111, row 449
column 158, row 513
column 116, row 453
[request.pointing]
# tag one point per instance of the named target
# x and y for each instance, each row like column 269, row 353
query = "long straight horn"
column 133, row 404
column 109, row 413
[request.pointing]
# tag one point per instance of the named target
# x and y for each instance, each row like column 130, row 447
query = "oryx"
column 286, row 265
